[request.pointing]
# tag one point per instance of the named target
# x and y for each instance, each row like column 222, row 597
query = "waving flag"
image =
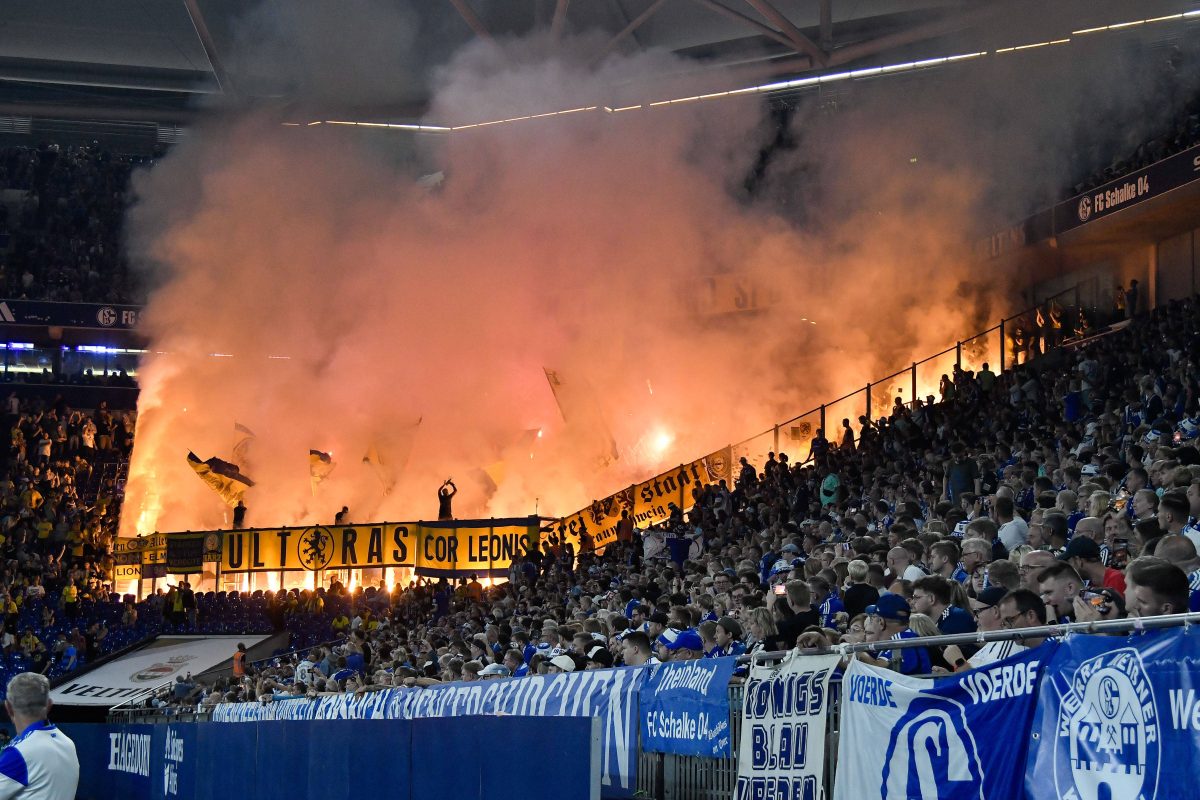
column 320, row 464
column 222, row 477
column 243, row 438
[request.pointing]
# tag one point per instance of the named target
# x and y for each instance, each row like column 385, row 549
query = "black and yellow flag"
column 320, row 464
column 222, row 477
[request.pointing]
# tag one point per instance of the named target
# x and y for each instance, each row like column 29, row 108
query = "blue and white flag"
column 963, row 736
column 1118, row 718
column 605, row 693
column 685, row 708
column 782, row 748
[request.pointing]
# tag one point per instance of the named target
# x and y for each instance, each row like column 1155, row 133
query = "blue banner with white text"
column 953, row 738
column 1118, row 718
column 685, row 708
column 608, row 694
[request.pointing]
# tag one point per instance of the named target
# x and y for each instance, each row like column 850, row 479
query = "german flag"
column 222, row 477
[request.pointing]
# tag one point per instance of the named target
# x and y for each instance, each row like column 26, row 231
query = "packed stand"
column 61, row 211
column 1178, row 134
column 60, row 496
column 1066, row 489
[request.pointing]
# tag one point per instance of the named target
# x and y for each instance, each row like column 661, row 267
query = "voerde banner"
column 147, row 668
column 963, row 736
column 608, row 694
column 685, row 708
column 784, row 710
column 1118, row 718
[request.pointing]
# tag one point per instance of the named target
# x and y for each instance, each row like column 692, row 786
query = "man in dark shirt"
column 793, row 613
column 445, row 497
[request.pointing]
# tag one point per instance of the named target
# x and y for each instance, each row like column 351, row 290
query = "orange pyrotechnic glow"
column 409, row 329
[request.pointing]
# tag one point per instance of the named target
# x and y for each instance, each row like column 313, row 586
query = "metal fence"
column 1013, row 341
column 666, row 776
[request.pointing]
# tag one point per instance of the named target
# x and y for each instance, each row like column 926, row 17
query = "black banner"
column 185, row 553
column 69, row 315
column 1136, row 187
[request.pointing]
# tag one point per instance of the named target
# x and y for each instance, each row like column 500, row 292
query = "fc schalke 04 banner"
column 782, row 750
column 954, row 738
column 1118, row 718
column 685, row 708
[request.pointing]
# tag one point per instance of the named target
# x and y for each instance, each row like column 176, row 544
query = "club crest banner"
column 782, row 749
column 937, row 739
column 1118, row 718
column 685, row 708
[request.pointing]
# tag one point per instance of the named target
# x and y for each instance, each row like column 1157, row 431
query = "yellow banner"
column 649, row 502
column 123, row 573
column 140, row 550
column 334, row 547
column 473, row 547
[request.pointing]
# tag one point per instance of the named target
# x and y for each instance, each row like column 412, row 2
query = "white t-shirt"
column 913, row 573
column 40, row 764
column 304, row 672
column 1014, row 533
column 995, row 651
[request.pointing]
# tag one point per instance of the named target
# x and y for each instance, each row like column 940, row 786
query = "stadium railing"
column 668, row 776
column 995, row 346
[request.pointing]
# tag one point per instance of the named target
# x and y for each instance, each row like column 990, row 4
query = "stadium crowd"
column 61, row 211
column 1066, row 489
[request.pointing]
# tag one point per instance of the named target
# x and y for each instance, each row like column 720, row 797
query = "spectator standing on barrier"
column 446, row 494
column 40, row 763
column 239, row 661
column 1131, row 300
column 239, row 516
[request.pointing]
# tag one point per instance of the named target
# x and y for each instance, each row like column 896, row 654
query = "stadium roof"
column 150, row 59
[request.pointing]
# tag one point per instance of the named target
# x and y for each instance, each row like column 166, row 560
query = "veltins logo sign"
column 1108, row 742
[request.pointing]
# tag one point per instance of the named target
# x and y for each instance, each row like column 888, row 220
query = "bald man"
column 1181, row 551
column 1092, row 528
column 1032, row 564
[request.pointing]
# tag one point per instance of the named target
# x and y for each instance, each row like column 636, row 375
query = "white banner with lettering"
column 148, row 668
column 782, row 751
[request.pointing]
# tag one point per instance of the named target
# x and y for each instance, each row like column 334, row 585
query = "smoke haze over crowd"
column 313, row 291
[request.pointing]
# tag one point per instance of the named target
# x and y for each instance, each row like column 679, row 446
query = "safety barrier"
column 1152, row 662
column 667, row 776
column 464, row 757
column 1014, row 340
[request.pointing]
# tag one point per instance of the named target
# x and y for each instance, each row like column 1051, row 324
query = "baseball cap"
column 991, row 596
column 601, row 656
column 564, row 662
column 789, row 548
column 1090, row 470
column 681, row 640
column 494, row 670
column 891, row 606
column 1081, row 547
